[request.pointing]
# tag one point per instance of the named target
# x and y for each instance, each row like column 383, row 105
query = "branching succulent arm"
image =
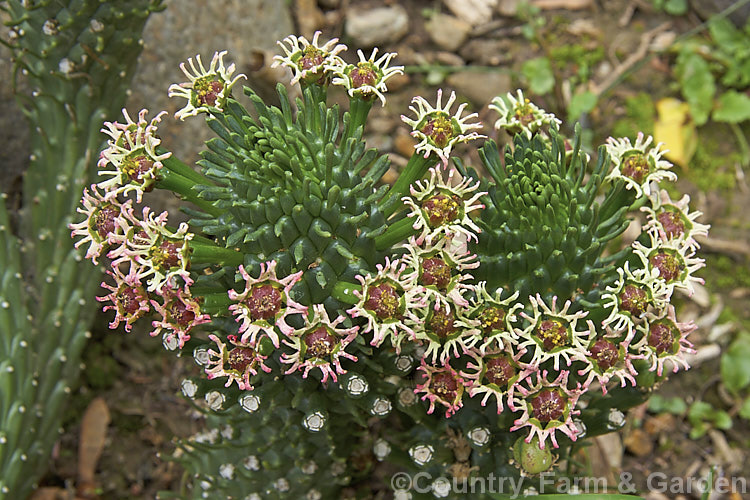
column 450, row 323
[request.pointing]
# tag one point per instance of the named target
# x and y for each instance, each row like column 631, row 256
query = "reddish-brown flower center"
column 104, row 220
column 439, row 130
column 240, row 358
column 311, row 58
column 672, row 222
column 524, row 114
column 444, row 385
column 263, row 302
column 636, row 166
column 136, row 166
column 320, row 343
column 634, row 299
column 492, row 318
column 208, row 90
column 364, row 74
column 548, row 405
column 604, row 353
column 383, row 299
column 441, row 323
column 499, row 371
column 670, row 266
column 179, row 313
column 662, row 337
column 441, row 209
column 435, row 271
column 130, row 299
column 167, row 254
column 552, row 332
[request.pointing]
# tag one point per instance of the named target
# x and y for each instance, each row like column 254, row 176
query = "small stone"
column 404, row 144
column 472, row 11
column 448, row 32
column 508, row 8
column 309, row 17
column 639, row 443
column 379, row 26
column 480, row 87
column 487, row 52
column 398, row 81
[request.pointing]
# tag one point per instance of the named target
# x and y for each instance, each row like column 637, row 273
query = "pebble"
column 472, row 11
column 480, row 87
column 404, row 144
column 487, row 52
column 378, row 26
column 639, row 443
column 448, row 32
column 508, row 8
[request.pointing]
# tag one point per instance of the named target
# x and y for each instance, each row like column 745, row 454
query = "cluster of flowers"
column 534, row 357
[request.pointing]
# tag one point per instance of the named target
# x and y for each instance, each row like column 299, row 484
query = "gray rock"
column 448, row 32
column 473, row 12
column 480, row 87
column 381, row 25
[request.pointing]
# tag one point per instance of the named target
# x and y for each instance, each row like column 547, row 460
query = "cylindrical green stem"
column 414, row 170
column 396, row 232
column 175, row 165
column 203, row 253
column 358, row 110
column 184, row 187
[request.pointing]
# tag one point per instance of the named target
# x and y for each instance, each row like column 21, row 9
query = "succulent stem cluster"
column 323, row 306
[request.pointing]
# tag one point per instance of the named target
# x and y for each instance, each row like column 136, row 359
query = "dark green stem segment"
column 184, row 187
column 215, row 303
column 343, row 291
column 358, row 110
column 396, row 232
column 414, row 170
column 208, row 253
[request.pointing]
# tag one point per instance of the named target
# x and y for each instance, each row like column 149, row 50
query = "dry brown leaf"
column 91, row 443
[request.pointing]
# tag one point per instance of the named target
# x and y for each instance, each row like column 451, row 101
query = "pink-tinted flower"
column 552, row 334
column 441, row 207
column 492, row 373
column 205, row 89
column 100, row 224
column 608, row 357
column 445, row 329
column 367, row 78
column 496, row 317
column 153, row 251
column 443, row 385
column 320, row 344
column 384, row 301
column 130, row 160
column 180, row 313
column 664, row 339
column 631, row 296
column 675, row 261
column 437, row 130
column 673, row 219
column 547, row 406
column 309, row 61
column 128, row 298
column 264, row 304
column 238, row 362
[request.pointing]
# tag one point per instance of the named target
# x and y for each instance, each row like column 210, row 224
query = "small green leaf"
column 676, row 7
column 538, row 73
column 732, row 107
column 745, row 409
column 660, row 404
column 735, row 364
column 697, row 84
column 581, row 103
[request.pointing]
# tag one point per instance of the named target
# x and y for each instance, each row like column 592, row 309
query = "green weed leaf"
column 581, row 103
column 735, row 364
column 538, row 73
column 732, row 107
column 697, row 84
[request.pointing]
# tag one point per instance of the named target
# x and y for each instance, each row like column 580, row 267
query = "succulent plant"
column 450, row 324
column 76, row 57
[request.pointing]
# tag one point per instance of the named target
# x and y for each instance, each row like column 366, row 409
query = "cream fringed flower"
column 437, row 130
column 518, row 115
column 637, row 164
column 309, row 61
column 206, row 88
column 238, row 362
column 367, row 78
